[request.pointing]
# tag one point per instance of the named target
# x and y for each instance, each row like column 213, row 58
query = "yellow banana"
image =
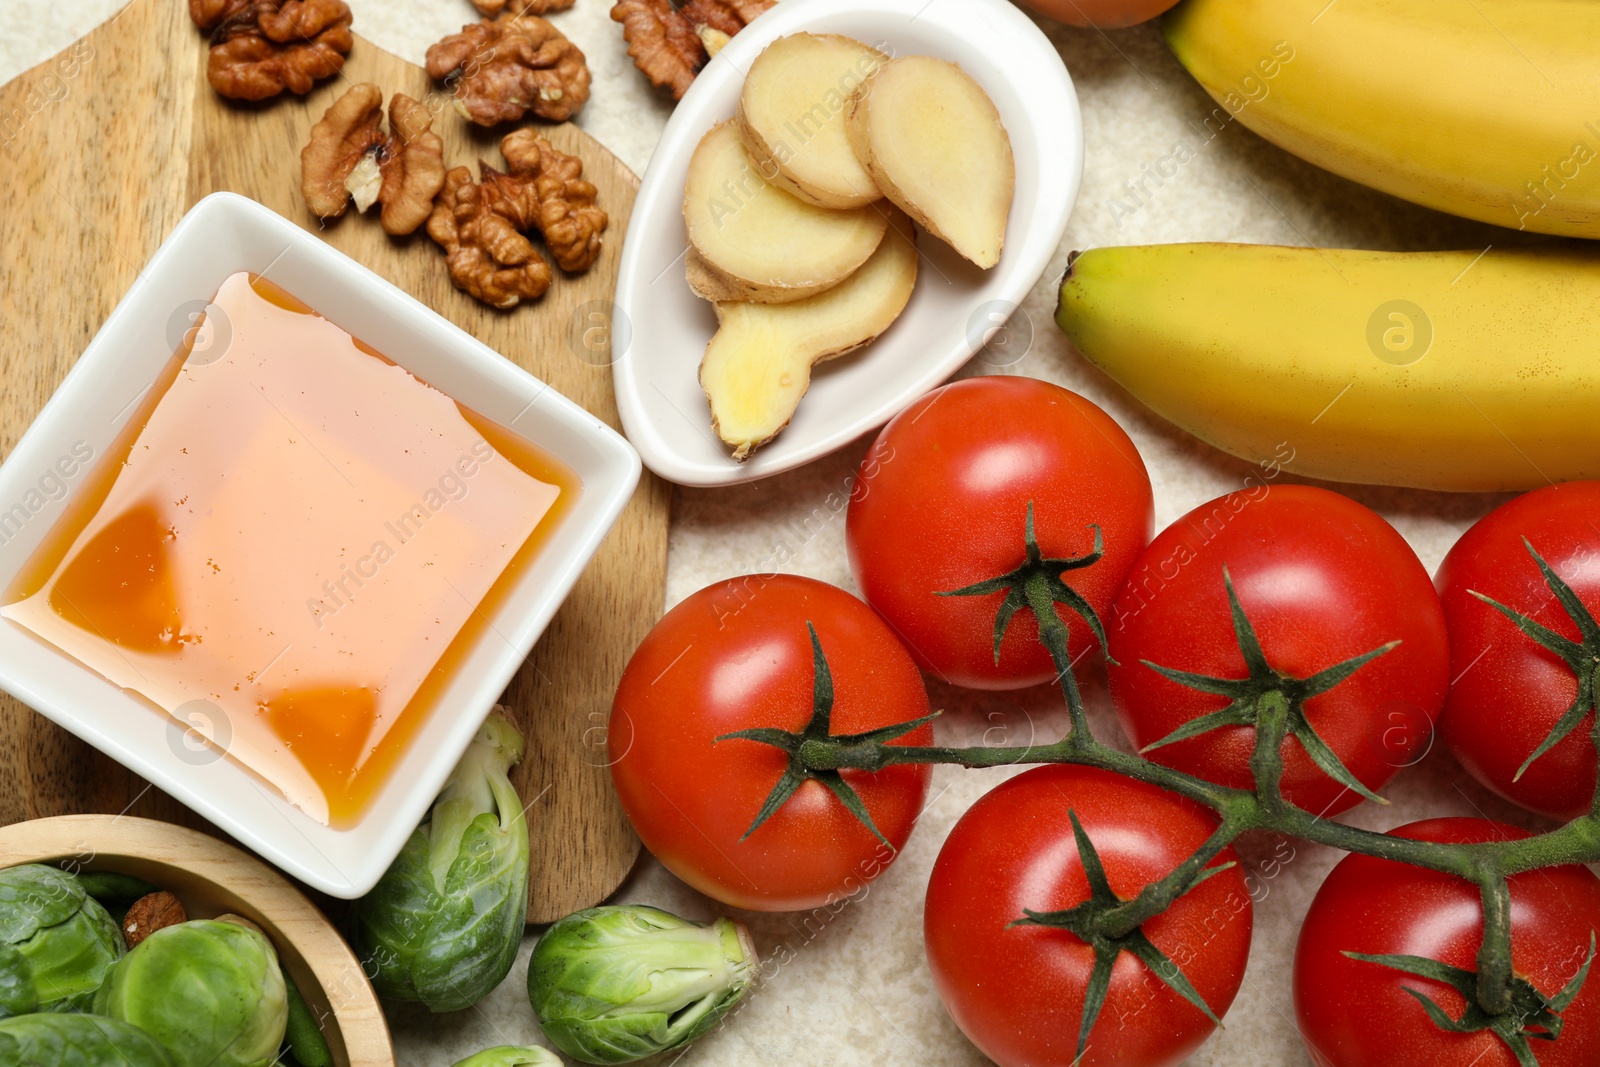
column 1442, row 370
column 1488, row 109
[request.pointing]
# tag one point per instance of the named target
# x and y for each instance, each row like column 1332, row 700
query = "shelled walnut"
column 501, row 69
column 350, row 158
column 491, row 8
column 259, row 48
column 726, row 16
column 670, row 43
column 208, row 14
column 567, row 215
column 483, row 225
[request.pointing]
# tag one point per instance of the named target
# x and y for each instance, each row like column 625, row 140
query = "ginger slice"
column 777, row 246
column 933, row 142
column 791, row 115
column 709, row 283
column 758, row 365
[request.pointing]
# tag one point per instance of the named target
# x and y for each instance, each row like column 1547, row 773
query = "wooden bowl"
column 213, row 878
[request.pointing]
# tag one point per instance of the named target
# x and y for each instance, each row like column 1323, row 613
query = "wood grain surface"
column 102, row 150
column 211, row 879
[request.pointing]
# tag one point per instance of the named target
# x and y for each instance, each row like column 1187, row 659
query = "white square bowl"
column 954, row 311
column 222, row 235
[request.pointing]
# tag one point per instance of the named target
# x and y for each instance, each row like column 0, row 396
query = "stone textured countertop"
column 854, row 986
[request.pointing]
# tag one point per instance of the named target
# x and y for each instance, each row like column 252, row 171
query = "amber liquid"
column 291, row 547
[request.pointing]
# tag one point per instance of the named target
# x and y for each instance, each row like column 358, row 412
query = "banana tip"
column 1072, row 258
column 1066, row 276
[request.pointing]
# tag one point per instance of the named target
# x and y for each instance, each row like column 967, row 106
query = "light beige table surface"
column 856, row 989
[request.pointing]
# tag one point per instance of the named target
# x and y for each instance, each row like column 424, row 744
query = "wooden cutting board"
column 102, row 150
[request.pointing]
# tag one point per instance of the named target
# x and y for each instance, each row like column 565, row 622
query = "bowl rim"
column 1054, row 121
column 223, row 790
column 260, row 894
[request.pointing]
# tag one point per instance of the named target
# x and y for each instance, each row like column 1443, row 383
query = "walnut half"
column 208, row 14
column 567, row 214
column 483, row 225
column 491, row 8
column 349, row 158
column 670, row 43
column 501, row 69
column 259, row 48
column 480, row 225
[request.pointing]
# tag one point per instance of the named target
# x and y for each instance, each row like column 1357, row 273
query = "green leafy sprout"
column 210, row 990
column 78, row 1040
column 443, row 924
column 57, row 943
column 512, row 1056
column 616, row 984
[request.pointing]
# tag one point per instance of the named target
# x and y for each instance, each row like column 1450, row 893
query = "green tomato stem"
column 1487, row 864
column 1494, row 956
column 1053, row 633
column 1594, row 737
column 1266, row 758
column 1160, row 895
column 1272, row 704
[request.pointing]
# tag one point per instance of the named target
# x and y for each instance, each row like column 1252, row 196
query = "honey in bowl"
column 290, row 546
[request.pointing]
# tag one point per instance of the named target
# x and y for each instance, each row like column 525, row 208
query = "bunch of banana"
column 1488, row 109
column 1439, row 370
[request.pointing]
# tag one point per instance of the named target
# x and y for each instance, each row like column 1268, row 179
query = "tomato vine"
column 1497, row 999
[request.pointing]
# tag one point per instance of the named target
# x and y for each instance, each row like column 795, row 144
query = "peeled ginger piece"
column 774, row 245
column 758, row 365
column 791, row 114
column 933, row 142
column 709, row 283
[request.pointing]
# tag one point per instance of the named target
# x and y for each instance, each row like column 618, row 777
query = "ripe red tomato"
column 1509, row 692
column 1354, row 1013
column 1017, row 991
column 737, row 655
column 942, row 502
column 1106, row 14
column 1322, row 579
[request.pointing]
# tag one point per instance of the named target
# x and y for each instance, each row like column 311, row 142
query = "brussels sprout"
column 210, row 991
column 513, row 1056
column 78, row 1041
column 17, row 995
column 64, row 941
column 617, row 984
column 443, row 924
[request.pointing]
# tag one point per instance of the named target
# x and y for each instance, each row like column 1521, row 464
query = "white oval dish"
column 956, row 307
